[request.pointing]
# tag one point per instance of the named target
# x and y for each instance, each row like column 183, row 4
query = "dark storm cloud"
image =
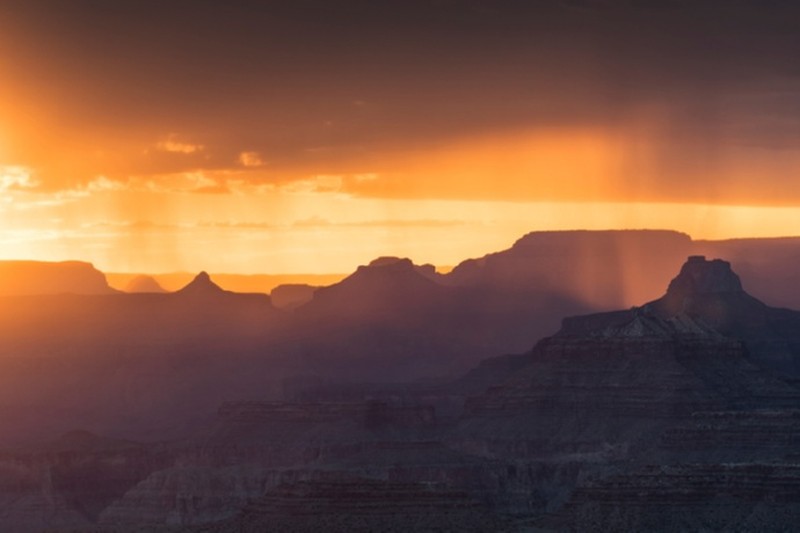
column 313, row 82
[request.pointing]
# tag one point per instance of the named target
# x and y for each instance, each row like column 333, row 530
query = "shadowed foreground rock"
column 681, row 414
column 361, row 505
column 695, row 497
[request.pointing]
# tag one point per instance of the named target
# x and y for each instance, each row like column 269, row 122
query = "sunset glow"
column 399, row 265
column 143, row 165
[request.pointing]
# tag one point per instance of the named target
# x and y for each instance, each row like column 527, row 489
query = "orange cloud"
column 179, row 182
column 609, row 164
column 17, row 177
column 250, row 159
column 173, row 145
column 546, row 165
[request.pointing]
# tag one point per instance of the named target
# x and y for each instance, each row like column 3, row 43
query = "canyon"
column 211, row 412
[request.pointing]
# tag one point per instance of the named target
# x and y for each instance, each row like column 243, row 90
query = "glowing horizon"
column 203, row 147
column 439, row 232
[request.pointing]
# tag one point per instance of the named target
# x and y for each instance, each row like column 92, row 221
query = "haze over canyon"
column 401, row 398
column 399, row 266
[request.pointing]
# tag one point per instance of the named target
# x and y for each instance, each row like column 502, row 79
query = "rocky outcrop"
column 699, row 276
column 767, row 267
column 580, row 398
column 682, row 378
column 619, row 385
column 711, row 293
column 705, row 327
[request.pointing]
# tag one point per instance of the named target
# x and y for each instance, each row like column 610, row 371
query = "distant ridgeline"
column 38, row 277
column 603, row 269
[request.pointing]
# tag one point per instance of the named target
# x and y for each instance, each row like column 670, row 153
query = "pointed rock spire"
column 201, row 285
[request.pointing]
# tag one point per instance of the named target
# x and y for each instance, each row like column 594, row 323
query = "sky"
column 313, row 135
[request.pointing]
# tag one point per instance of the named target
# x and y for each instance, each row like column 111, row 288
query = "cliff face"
column 711, row 293
column 685, row 378
column 602, row 395
column 620, row 378
column 707, row 299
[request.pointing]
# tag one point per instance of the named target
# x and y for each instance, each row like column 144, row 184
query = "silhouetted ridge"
column 387, row 285
column 386, row 260
column 395, row 263
column 601, row 269
column 202, row 285
column 427, row 270
column 42, row 277
column 387, row 273
column 700, row 276
column 569, row 239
